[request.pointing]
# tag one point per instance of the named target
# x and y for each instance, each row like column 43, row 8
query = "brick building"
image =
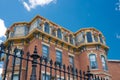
column 86, row 47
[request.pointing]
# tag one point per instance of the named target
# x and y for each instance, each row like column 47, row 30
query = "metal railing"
column 35, row 67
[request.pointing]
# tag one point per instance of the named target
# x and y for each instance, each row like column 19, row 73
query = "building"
column 86, row 47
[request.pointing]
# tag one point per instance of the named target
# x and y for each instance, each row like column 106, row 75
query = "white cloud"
column 34, row 3
column 2, row 28
column 26, row 6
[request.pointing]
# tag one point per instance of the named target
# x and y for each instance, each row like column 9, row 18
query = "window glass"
column 89, row 37
column 71, row 39
column 71, row 61
column 45, row 76
column 46, row 28
column 59, row 34
column 104, row 63
column 45, row 51
column 18, row 54
column 93, row 62
column 96, row 38
column 15, row 77
column 58, row 56
column 101, row 40
column 66, row 38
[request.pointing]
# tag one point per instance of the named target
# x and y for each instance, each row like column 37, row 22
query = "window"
column 66, row 38
column 93, row 62
column 101, row 40
column 104, row 64
column 46, row 28
column 59, row 57
column 18, row 54
column 96, row 38
column 59, row 34
column 89, row 37
column 45, row 77
column 71, row 39
column 45, row 51
column 71, row 61
column 15, row 77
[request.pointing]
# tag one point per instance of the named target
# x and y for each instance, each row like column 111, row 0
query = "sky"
column 103, row 15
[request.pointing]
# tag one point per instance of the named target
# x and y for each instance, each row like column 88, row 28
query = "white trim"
column 59, row 49
column 71, row 54
column 91, row 53
column 43, row 43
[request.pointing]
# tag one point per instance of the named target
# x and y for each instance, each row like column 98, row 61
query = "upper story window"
column 80, row 38
column 71, row 39
column 101, row 40
column 19, row 30
column 58, row 56
column 59, row 33
column 104, row 64
column 66, row 38
column 45, row 51
column 96, row 38
column 71, row 61
column 89, row 37
column 35, row 24
column 93, row 61
column 46, row 28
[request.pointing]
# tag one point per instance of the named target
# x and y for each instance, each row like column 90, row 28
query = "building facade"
column 86, row 47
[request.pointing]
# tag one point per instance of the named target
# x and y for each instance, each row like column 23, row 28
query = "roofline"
column 39, row 16
column 113, row 60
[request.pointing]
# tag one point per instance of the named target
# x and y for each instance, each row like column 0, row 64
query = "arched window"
column 104, row 64
column 46, row 28
column 59, row 34
column 93, row 61
column 71, row 39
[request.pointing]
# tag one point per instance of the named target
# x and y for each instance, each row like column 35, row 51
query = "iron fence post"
column 35, row 56
column 89, row 74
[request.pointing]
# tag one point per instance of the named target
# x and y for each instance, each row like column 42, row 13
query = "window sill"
column 94, row 69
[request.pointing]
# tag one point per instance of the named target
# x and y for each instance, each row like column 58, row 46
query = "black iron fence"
column 25, row 66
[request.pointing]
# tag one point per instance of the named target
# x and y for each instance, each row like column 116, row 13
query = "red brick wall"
column 114, row 69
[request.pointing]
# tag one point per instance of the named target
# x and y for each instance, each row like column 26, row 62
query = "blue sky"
column 71, row 14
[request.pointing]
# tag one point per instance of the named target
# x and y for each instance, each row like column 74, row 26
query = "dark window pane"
column 58, row 56
column 59, row 34
column 101, row 40
column 46, row 28
column 89, row 37
column 71, row 39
